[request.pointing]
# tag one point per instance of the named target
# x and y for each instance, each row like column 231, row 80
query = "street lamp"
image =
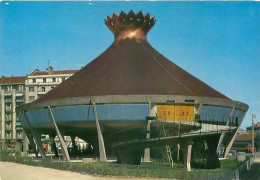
column 253, row 142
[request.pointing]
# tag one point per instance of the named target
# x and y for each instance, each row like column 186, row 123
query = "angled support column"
column 101, row 145
column 148, row 129
column 62, row 143
column 30, row 138
column 223, row 134
column 187, row 154
column 233, row 138
column 36, row 136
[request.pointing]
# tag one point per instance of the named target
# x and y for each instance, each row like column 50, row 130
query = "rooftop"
column 43, row 73
column 245, row 137
column 13, row 80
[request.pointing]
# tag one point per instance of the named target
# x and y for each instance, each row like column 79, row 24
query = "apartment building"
column 40, row 82
column 15, row 91
column 12, row 92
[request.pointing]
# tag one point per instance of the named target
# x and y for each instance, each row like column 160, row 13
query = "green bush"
column 150, row 170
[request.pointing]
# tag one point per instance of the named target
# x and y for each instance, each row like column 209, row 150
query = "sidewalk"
column 14, row 171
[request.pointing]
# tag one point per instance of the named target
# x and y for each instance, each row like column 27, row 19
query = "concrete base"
column 87, row 160
column 132, row 156
column 147, row 155
column 212, row 160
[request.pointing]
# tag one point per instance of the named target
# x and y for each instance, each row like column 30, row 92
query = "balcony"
column 20, row 128
column 8, row 128
column 8, row 137
column 8, row 100
column 8, row 119
column 8, row 109
column 19, row 136
column 19, row 100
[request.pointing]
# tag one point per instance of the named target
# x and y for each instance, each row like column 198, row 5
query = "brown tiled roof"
column 245, row 137
column 12, row 80
column 42, row 73
column 131, row 68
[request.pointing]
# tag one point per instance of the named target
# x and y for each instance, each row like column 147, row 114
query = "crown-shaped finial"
column 130, row 25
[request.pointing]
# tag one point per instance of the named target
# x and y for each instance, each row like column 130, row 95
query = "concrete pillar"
column 2, row 117
column 30, row 138
column 13, row 115
column 101, row 145
column 3, row 147
column 74, row 145
column 53, row 146
column 62, row 143
column 25, row 142
column 233, row 138
column 18, row 147
column 212, row 160
column 148, row 129
column 187, row 153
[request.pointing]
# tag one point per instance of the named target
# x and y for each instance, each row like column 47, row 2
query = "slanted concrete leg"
column 187, row 154
column 62, row 143
column 101, row 145
column 212, row 160
column 53, row 146
column 38, row 141
column 74, row 145
column 30, row 138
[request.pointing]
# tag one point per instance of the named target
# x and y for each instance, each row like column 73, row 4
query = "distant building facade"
column 15, row 91
column 40, row 82
column 12, row 91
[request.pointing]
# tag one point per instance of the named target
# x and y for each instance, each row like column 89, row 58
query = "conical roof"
column 131, row 66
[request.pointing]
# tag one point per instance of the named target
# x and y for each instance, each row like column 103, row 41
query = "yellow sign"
column 165, row 112
column 175, row 113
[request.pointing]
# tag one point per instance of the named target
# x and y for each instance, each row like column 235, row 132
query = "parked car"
column 234, row 152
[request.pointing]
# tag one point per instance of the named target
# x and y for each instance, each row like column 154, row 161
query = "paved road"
column 14, row 171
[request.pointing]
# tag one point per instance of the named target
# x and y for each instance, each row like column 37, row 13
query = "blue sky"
column 218, row 42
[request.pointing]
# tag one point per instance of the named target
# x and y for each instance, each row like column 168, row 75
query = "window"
column 20, row 87
column 52, row 87
column 31, row 89
column 31, row 98
column 44, row 80
column 53, row 79
column 9, row 88
column 43, row 89
column 63, row 79
column 34, row 80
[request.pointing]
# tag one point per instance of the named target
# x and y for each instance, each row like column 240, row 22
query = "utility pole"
column 253, row 140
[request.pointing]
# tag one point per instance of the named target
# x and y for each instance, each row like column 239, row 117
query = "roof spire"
column 130, row 25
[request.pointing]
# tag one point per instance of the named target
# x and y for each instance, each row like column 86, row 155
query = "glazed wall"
column 106, row 112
